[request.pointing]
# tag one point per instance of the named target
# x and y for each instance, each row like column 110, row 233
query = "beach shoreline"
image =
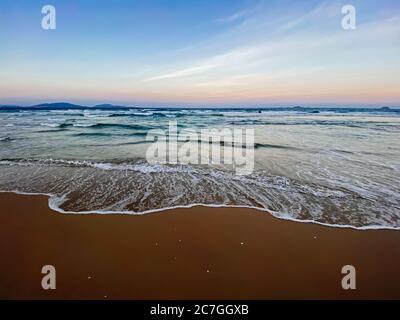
column 188, row 253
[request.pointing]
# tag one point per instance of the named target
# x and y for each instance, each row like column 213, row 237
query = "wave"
column 51, row 125
column 140, row 187
column 82, row 125
column 51, row 130
column 92, row 134
column 142, row 114
column 106, row 134
column 297, row 123
column 55, row 202
column 274, row 146
column 139, row 165
column 116, row 115
column 56, row 125
column 111, row 145
column 118, row 126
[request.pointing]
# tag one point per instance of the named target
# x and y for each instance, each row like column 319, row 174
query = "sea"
column 333, row 166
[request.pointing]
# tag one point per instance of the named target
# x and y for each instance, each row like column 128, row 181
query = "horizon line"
column 167, row 106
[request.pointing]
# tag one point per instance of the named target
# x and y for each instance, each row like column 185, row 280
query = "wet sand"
column 197, row 253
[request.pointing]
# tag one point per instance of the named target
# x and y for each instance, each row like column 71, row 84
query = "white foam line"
column 52, row 205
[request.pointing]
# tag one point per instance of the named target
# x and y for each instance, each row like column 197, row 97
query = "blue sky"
column 200, row 53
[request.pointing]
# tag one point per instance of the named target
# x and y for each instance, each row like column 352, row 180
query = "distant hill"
column 57, row 105
column 64, row 106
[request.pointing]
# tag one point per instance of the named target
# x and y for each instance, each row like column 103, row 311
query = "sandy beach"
column 197, row 253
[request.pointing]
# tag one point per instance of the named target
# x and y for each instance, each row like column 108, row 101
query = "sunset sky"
column 201, row 53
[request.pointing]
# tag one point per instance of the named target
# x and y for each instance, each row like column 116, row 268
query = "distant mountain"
column 57, row 105
column 64, row 106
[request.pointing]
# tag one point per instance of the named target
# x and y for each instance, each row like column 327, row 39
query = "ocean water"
column 338, row 167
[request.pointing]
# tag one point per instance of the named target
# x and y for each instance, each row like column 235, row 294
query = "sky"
column 201, row 53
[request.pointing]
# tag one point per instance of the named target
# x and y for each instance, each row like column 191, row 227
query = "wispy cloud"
column 183, row 72
column 324, row 9
column 234, row 17
column 205, row 65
